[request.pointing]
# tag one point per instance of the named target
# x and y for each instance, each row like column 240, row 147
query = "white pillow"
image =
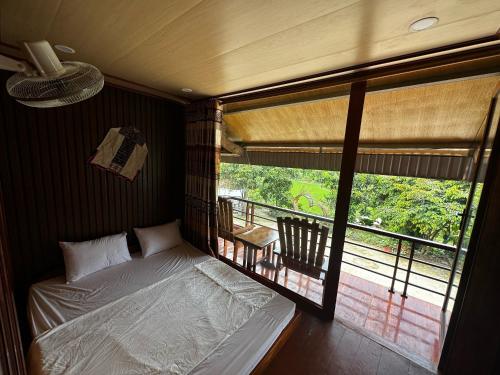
column 158, row 238
column 84, row 258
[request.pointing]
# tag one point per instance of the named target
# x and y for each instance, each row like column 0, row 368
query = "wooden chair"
column 226, row 229
column 302, row 247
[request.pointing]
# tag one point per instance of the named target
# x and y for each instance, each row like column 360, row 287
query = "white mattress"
column 53, row 302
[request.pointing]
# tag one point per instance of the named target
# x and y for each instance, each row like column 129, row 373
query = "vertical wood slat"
column 230, row 215
column 281, row 234
column 36, row 172
column 155, row 139
column 224, row 213
column 53, row 194
column 11, row 353
column 67, row 197
column 247, row 213
column 288, row 235
column 226, row 216
column 75, row 184
column 16, row 195
column 304, row 241
column 296, row 238
column 82, row 175
column 220, row 215
column 297, row 252
column 321, row 247
column 11, row 357
column 118, row 120
column 101, row 195
column 28, row 189
column 130, row 192
column 314, row 241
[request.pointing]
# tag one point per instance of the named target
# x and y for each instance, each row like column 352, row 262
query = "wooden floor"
column 410, row 326
column 319, row 347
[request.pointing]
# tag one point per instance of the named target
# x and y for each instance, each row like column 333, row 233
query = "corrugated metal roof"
column 426, row 131
column 427, row 166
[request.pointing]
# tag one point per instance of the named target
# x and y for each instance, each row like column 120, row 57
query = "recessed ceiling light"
column 63, row 48
column 424, row 23
column 185, row 89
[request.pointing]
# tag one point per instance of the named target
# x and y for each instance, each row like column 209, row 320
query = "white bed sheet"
column 53, row 302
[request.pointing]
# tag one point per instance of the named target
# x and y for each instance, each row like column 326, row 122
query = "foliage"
column 263, row 184
column 425, row 208
column 308, row 196
column 418, row 207
column 275, row 187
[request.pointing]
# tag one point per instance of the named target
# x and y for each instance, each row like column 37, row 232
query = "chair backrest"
column 302, row 245
column 225, row 219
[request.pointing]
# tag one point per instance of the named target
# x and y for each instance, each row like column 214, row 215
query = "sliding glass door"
column 287, row 185
column 418, row 172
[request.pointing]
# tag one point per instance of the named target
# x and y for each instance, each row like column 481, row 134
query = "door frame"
column 346, row 177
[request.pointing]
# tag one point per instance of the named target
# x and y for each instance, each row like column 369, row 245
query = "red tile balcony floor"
column 410, row 326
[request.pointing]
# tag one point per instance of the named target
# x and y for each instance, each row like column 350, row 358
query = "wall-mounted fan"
column 48, row 82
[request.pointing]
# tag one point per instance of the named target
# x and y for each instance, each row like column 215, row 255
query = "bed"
column 123, row 318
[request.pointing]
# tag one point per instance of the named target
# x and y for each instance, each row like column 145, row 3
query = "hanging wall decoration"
column 122, row 152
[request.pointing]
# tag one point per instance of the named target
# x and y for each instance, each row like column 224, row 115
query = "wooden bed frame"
column 275, row 347
column 278, row 344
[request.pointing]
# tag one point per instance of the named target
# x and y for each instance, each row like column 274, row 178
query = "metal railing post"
column 410, row 261
column 248, row 215
column 451, row 279
column 398, row 253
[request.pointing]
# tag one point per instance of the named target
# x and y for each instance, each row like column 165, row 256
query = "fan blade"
column 13, row 65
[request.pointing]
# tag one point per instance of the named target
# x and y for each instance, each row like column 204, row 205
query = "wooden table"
column 258, row 238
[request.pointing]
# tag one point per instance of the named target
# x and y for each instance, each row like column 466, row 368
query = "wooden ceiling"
column 448, row 113
column 218, row 46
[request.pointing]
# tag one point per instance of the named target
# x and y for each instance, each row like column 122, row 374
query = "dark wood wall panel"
column 11, row 354
column 51, row 191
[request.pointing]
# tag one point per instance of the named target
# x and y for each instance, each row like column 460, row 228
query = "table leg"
column 249, row 257
column 254, row 264
column 266, row 253
column 245, row 250
column 235, row 251
column 277, row 270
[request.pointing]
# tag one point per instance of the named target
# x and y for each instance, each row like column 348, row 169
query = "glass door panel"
column 289, row 168
column 417, row 154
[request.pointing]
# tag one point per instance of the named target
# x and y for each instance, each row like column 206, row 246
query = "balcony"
column 396, row 293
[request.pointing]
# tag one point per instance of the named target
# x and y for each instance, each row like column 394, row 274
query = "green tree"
column 243, row 177
column 265, row 184
column 330, row 180
column 424, row 208
column 275, row 187
column 418, row 207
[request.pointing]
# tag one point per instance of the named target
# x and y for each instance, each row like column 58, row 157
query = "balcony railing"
column 403, row 248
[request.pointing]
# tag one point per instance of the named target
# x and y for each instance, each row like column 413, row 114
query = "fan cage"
column 79, row 81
